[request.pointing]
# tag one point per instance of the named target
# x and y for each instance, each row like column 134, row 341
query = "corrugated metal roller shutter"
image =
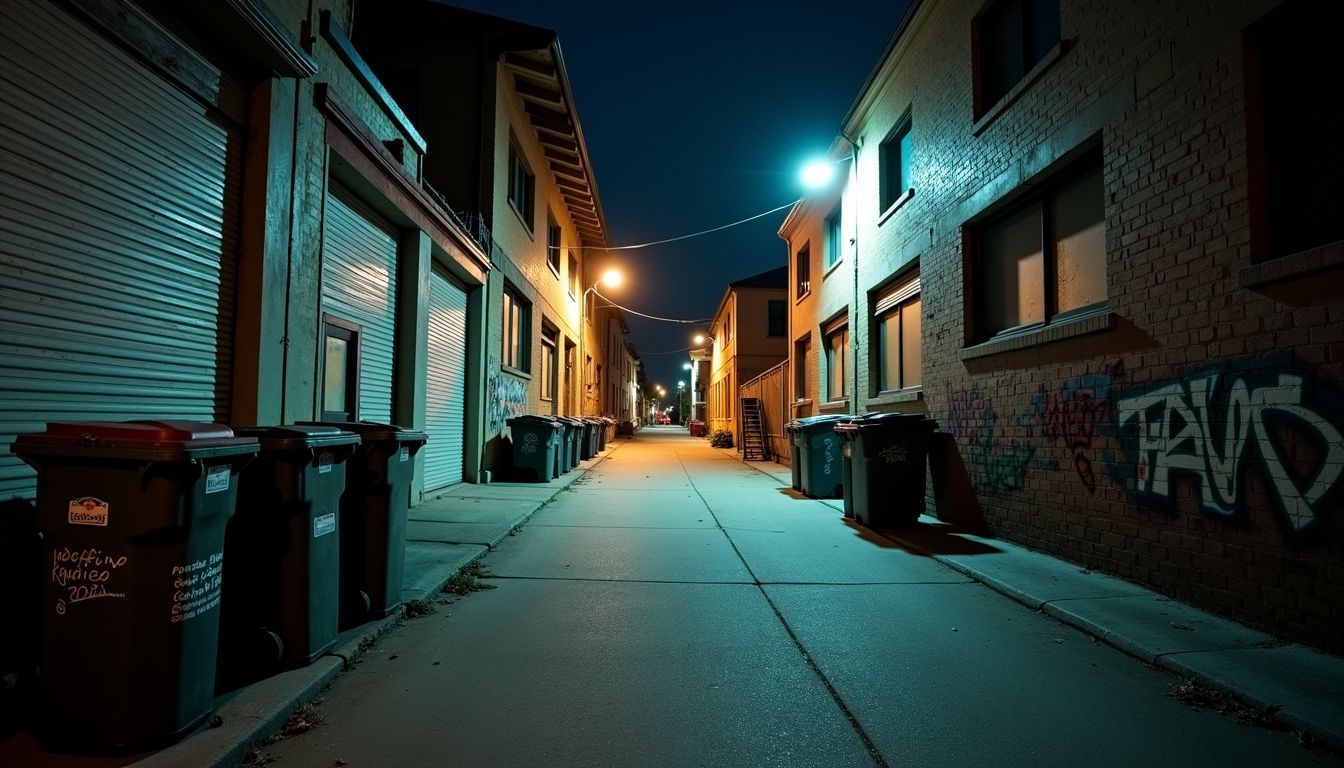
column 446, row 385
column 118, row 225
column 359, row 284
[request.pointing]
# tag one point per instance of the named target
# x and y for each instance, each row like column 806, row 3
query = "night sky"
column 698, row 114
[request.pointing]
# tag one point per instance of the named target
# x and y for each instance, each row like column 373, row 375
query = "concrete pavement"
column 675, row 606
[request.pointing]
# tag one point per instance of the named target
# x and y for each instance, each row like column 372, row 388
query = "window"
column 1009, row 38
column 894, row 158
column 573, row 275
column 521, row 185
column 553, row 239
column 517, row 330
column 802, row 350
column 897, row 334
column 837, row 355
column 1046, row 258
column 548, row 377
column 727, row 328
column 776, row 319
column 1298, row 196
column 803, row 270
column 340, row 370
column 833, row 250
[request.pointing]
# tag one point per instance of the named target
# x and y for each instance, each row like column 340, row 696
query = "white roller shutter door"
column 118, row 226
column 446, row 383
column 359, row 285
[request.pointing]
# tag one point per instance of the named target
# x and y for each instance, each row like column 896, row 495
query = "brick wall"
column 1191, row 441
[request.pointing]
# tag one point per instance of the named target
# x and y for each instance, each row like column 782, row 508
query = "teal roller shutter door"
column 119, row 200
column 446, row 385
column 359, row 284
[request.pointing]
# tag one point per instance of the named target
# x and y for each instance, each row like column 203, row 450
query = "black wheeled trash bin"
column 588, row 442
column 573, row 437
column 282, row 576
column 888, row 453
column 535, row 442
column 373, row 518
column 133, row 514
column 818, row 456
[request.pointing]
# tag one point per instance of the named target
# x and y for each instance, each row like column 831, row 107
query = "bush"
column 721, row 438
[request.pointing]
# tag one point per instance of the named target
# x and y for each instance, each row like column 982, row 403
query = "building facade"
column 1105, row 260
column 747, row 335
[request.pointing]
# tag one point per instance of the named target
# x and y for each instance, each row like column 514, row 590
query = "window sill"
column 999, row 107
column 825, row 273
column 896, row 206
column 911, row 395
column 1310, row 274
column 801, row 402
column 1098, row 321
column 835, row 406
column 802, row 296
column 555, row 269
column 519, row 372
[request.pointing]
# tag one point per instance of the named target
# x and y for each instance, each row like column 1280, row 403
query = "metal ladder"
column 753, row 431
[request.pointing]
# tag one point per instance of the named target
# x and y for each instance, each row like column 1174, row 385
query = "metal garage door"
column 118, row 224
column 446, row 383
column 359, row 285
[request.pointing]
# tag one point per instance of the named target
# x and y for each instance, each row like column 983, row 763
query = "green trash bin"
column 887, row 455
column 588, row 442
column 281, row 602
column 373, row 518
column 536, row 440
column 133, row 515
column 818, row 456
column 573, row 438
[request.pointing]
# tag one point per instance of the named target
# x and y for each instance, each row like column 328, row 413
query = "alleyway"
column 676, row 607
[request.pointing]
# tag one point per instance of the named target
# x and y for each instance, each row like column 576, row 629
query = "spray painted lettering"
column 1072, row 416
column 1207, row 424
column 506, row 397
column 972, row 420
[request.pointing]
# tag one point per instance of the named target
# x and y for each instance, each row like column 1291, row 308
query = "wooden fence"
column 772, row 389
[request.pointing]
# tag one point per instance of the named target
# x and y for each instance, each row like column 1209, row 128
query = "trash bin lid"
column 535, row 419
column 139, row 440
column 373, row 431
column 569, row 420
column 821, row 423
column 295, row 436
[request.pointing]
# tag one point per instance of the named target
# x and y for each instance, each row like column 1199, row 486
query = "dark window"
column 802, row 349
column 777, row 318
column 837, row 362
column 803, row 270
column 553, row 239
column 340, row 370
column 1011, row 37
column 894, row 159
column 1296, row 163
column 834, row 245
column 521, row 185
column 1045, row 257
column 548, row 376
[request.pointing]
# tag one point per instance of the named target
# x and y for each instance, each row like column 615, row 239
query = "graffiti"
column 506, row 397
column 972, row 420
column 1072, row 416
column 1207, row 425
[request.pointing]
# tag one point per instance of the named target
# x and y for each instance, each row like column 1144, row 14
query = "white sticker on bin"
column 405, row 454
column 217, row 479
column 324, row 462
column 324, row 524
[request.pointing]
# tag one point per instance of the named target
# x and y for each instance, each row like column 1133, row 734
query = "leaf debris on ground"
column 1197, row 695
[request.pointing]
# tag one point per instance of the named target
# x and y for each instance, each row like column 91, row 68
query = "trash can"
column 587, row 439
column 573, row 436
column 887, row 454
column 20, row 606
column 697, row 429
column 373, row 518
column 536, row 439
column 133, row 515
column 281, row 603
column 814, row 456
column 603, row 425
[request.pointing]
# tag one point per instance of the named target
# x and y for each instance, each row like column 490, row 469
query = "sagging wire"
column 651, row 317
column 685, row 237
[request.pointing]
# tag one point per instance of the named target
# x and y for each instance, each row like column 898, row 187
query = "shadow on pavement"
column 925, row 539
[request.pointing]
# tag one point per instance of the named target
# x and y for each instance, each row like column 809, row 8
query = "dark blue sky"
column 697, row 114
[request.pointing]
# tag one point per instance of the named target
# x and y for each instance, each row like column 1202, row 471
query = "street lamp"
column 701, row 339
column 681, row 412
column 611, row 278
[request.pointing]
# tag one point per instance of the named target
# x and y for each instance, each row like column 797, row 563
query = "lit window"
column 548, row 377
column 897, row 331
column 837, row 354
column 1010, row 37
column 340, row 370
column 803, row 270
column 1045, row 258
column 573, row 275
column 517, row 326
column 553, row 239
column 894, row 158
